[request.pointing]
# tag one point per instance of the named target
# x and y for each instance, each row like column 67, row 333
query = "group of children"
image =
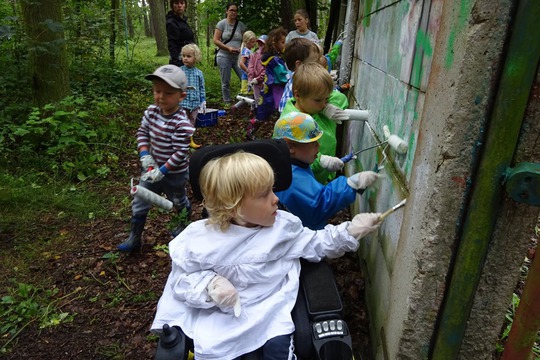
column 235, row 275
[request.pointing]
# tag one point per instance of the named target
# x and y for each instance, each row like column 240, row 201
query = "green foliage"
column 180, row 219
column 145, row 297
column 26, row 304
column 511, row 312
column 162, row 247
column 259, row 16
column 64, row 138
column 34, row 206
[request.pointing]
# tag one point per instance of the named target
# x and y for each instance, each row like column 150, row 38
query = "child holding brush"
column 306, row 198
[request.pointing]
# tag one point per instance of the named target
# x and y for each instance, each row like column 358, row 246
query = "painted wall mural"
column 393, row 49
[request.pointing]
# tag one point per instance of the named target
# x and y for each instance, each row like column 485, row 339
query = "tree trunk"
column 146, row 22
column 286, row 14
column 157, row 14
column 311, row 8
column 193, row 20
column 112, row 23
column 333, row 25
column 48, row 64
column 130, row 9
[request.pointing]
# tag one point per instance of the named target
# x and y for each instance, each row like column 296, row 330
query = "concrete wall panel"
column 428, row 70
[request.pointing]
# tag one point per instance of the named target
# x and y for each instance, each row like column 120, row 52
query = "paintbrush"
column 392, row 209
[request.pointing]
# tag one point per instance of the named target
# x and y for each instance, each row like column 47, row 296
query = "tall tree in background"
column 157, row 14
column 112, row 23
column 48, row 63
column 286, row 13
column 333, row 25
column 147, row 28
column 192, row 17
column 131, row 7
column 312, row 8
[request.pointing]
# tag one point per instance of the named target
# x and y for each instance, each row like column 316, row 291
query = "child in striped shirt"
column 163, row 144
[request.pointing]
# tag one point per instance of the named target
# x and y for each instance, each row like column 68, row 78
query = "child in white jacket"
column 235, row 275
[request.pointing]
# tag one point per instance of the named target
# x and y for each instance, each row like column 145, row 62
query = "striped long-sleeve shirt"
column 167, row 137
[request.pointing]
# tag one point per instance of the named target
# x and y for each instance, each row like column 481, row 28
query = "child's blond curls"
column 197, row 54
column 226, row 181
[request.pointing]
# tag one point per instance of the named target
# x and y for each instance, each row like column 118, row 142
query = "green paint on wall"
column 463, row 16
column 423, row 48
column 368, row 5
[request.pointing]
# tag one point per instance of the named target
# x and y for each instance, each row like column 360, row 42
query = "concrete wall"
column 428, row 70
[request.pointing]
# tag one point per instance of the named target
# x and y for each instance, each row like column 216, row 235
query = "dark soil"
column 114, row 296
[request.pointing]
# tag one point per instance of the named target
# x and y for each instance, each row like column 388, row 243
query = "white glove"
column 202, row 108
column 152, row 176
column 362, row 180
column 148, row 161
column 254, row 82
column 331, row 163
column 335, row 114
column 363, row 224
column 224, row 293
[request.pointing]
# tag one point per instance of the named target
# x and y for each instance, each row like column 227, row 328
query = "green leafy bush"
column 63, row 138
column 26, row 304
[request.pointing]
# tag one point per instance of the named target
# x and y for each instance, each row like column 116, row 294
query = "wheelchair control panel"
column 326, row 328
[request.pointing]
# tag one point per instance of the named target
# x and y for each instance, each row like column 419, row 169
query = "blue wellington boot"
column 133, row 242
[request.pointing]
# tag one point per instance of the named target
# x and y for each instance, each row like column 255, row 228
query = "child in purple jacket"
column 274, row 80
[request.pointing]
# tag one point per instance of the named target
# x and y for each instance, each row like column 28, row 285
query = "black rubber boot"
column 134, row 243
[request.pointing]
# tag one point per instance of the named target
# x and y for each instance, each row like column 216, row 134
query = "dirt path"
column 114, row 296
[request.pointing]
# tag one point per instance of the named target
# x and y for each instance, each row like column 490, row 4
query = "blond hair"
column 197, row 54
column 226, row 181
column 312, row 80
column 248, row 35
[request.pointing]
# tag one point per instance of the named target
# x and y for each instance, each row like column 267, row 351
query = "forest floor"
column 112, row 297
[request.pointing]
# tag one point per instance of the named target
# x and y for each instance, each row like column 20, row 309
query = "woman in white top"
column 301, row 21
column 229, row 49
column 235, row 276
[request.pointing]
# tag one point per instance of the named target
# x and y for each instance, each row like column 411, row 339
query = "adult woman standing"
column 228, row 38
column 179, row 32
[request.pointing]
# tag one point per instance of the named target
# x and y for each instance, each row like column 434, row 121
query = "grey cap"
column 172, row 75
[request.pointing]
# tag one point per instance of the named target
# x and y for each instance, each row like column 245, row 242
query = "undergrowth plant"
column 512, row 308
column 26, row 304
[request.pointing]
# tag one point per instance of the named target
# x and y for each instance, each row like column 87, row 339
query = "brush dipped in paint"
column 392, row 209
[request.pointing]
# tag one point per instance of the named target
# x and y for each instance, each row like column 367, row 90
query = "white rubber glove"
column 224, row 293
column 363, row 224
column 152, row 176
column 331, row 163
column 148, row 161
column 202, row 108
column 254, row 82
column 335, row 114
column 362, row 180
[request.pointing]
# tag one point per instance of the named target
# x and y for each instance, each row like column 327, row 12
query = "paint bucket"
column 208, row 119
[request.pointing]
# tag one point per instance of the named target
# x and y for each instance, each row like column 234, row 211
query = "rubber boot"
column 252, row 128
column 192, row 144
column 184, row 221
column 133, row 242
